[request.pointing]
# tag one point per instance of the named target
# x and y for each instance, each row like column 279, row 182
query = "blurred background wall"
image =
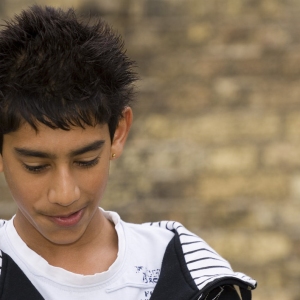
column 216, row 139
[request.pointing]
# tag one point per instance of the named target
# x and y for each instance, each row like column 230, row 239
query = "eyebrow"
column 26, row 152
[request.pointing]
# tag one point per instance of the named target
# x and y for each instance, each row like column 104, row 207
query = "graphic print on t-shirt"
column 149, row 276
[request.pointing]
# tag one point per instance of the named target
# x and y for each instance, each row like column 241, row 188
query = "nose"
column 63, row 190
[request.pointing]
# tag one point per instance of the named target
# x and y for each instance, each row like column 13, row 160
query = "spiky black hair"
column 61, row 71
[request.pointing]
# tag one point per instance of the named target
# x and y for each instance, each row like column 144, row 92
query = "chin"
column 64, row 238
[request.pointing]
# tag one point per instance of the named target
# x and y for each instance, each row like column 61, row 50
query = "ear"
column 121, row 133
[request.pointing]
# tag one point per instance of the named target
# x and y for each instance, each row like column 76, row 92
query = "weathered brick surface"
column 216, row 140
column 228, row 188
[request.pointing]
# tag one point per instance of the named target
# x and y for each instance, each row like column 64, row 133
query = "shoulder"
column 142, row 234
column 9, row 272
column 189, row 260
column 147, row 236
column 154, row 228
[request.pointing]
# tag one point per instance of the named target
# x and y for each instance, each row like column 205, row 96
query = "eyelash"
column 88, row 164
column 82, row 164
column 35, row 169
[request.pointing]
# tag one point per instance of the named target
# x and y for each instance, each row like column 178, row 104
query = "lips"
column 68, row 220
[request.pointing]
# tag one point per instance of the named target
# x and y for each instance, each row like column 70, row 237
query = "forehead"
column 54, row 140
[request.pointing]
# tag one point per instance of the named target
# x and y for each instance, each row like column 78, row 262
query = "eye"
column 35, row 169
column 88, row 163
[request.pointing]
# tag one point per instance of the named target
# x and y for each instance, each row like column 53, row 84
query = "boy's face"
column 57, row 178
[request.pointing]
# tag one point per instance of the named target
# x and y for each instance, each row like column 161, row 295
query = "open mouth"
column 69, row 220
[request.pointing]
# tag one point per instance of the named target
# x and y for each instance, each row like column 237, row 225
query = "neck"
column 97, row 247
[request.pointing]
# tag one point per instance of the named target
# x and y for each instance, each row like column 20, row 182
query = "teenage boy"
column 65, row 91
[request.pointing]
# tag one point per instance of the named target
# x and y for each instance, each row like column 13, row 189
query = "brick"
column 258, row 248
column 144, row 40
column 260, row 215
column 200, row 8
column 229, row 188
column 271, row 93
column 272, row 8
column 18, row 5
column 197, row 97
column 233, row 159
column 242, row 213
column 292, row 127
column 272, row 35
column 295, row 186
column 293, row 268
column 7, row 209
column 291, row 65
column 2, row 180
column 282, row 155
column 162, row 161
column 236, row 52
column 206, row 67
column 213, row 128
column 227, row 88
column 199, row 33
column 288, row 215
column 232, row 7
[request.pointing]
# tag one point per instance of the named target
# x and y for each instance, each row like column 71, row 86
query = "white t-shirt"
column 133, row 275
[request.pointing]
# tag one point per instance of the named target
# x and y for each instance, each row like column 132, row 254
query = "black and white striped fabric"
column 204, row 264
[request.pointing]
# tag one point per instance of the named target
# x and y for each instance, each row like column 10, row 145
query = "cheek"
column 23, row 192
column 23, row 189
column 94, row 183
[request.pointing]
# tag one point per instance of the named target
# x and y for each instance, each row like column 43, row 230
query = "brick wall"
column 216, row 140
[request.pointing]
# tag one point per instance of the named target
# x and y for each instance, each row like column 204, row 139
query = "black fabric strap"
column 14, row 285
column 226, row 292
column 246, row 294
column 172, row 283
column 175, row 281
